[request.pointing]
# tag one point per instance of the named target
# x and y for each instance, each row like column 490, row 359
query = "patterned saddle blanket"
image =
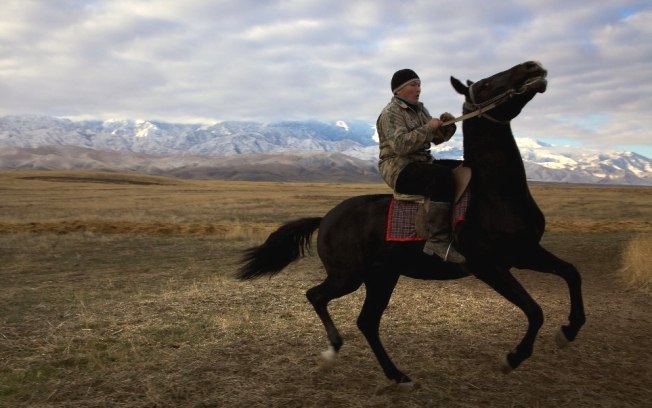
column 406, row 219
column 402, row 221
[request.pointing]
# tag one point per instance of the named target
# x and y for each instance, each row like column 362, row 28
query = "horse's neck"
column 491, row 151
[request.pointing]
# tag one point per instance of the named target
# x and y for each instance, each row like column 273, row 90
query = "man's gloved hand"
column 445, row 117
column 448, row 130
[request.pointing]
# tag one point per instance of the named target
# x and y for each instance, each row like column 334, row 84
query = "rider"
column 406, row 130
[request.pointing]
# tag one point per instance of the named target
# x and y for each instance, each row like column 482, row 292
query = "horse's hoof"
column 408, row 386
column 505, row 367
column 329, row 357
column 561, row 339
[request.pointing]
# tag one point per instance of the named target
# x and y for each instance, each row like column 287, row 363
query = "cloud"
column 202, row 60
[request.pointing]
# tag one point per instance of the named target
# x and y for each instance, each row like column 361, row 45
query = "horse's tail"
column 281, row 248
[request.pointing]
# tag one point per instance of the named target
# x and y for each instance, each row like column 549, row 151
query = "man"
column 406, row 130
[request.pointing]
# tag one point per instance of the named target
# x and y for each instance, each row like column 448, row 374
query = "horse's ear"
column 459, row 86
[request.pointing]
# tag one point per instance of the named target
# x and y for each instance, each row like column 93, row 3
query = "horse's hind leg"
column 319, row 296
column 379, row 291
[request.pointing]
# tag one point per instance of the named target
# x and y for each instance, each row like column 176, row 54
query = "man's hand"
column 445, row 117
column 436, row 123
column 448, row 130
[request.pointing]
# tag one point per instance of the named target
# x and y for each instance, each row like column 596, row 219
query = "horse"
column 502, row 230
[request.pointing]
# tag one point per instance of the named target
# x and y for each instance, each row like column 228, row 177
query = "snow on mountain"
column 546, row 155
column 601, row 166
column 137, row 128
column 167, row 145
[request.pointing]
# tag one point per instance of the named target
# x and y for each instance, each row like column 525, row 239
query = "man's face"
column 411, row 91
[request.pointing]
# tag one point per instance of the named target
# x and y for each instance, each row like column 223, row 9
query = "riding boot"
column 439, row 241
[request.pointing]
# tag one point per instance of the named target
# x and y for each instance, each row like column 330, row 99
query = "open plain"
column 117, row 291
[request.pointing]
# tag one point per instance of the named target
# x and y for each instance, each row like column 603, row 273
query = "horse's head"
column 511, row 90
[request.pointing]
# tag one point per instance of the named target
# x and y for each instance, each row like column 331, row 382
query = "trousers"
column 431, row 179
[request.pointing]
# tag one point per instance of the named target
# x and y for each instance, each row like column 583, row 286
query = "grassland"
column 117, row 291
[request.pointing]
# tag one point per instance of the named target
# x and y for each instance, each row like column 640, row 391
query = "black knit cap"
column 402, row 77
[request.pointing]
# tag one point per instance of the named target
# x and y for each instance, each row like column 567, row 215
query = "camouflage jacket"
column 405, row 136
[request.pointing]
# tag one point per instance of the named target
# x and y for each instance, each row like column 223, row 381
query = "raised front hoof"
column 561, row 339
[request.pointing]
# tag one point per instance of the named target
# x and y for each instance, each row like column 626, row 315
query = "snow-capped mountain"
column 546, row 162
column 225, row 138
column 229, row 149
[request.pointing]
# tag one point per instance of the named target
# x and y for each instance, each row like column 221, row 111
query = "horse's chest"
column 509, row 218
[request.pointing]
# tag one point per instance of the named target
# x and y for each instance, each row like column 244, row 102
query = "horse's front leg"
column 545, row 261
column 503, row 282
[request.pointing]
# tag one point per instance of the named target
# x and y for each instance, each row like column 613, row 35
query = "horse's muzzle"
column 537, row 84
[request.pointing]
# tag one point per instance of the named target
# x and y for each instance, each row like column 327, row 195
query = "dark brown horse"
column 502, row 230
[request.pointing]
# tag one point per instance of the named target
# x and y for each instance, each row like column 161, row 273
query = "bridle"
column 474, row 109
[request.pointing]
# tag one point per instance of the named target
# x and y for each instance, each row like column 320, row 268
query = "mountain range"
column 344, row 151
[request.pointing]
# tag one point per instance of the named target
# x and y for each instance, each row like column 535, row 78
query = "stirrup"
column 448, row 251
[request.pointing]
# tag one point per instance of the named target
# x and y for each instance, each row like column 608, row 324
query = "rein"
column 488, row 105
column 482, row 108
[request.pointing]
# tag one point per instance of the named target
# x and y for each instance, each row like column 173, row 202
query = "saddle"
column 406, row 219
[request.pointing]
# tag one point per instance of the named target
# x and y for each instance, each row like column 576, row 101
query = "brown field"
column 117, row 291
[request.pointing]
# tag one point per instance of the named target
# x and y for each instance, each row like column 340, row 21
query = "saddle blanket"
column 460, row 207
column 401, row 221
column 402, row 216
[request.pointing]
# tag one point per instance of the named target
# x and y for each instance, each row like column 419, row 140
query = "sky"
column 204, row 61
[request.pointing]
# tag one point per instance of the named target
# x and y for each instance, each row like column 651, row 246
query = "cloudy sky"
column 208, row 60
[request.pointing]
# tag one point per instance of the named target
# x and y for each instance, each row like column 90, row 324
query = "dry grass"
column 108, row 202
column 117, row 291
column 637, row 268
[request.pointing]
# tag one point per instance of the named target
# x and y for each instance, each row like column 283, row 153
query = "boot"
column 439, row 242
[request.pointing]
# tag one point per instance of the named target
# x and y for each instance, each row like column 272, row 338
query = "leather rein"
column 481, row 108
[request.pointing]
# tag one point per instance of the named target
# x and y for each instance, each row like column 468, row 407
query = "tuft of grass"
column 637, row 269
